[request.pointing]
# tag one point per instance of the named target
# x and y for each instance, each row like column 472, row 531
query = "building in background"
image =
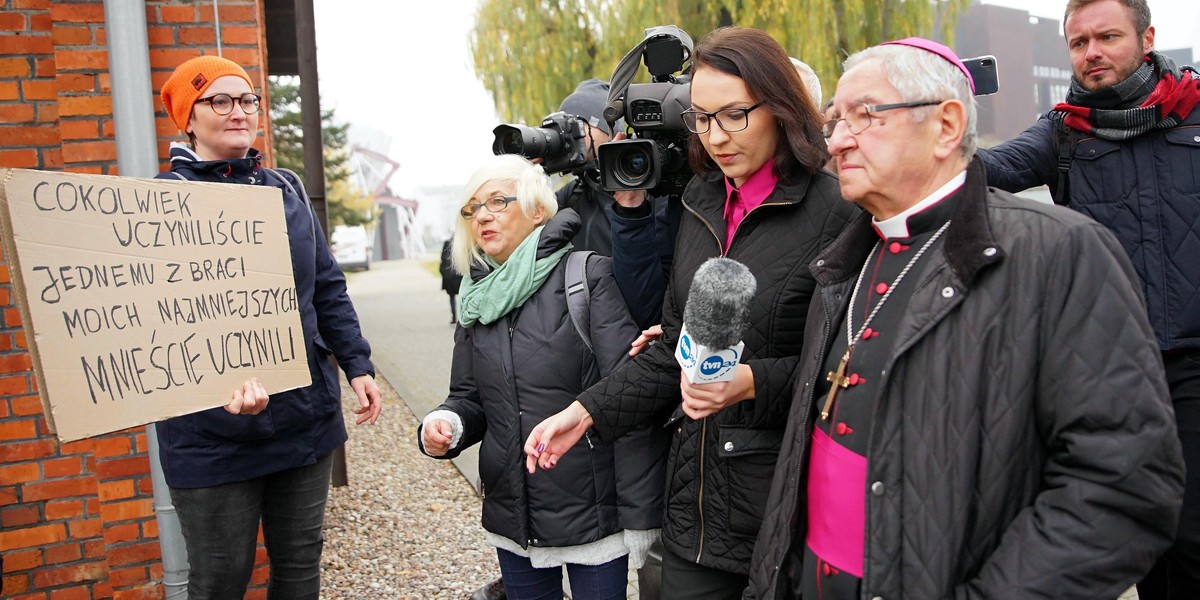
column 1181, row 56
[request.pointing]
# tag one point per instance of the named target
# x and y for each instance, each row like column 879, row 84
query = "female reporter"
column 759, row 197
column 518, row 358
column 260, row 458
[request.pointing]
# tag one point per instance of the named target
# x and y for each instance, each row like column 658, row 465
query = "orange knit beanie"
column 189, row 81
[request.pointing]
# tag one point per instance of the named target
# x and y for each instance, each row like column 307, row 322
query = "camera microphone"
column 614, row 111
column 714, row 320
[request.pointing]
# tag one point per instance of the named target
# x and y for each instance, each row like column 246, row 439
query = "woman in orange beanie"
column 260, row 458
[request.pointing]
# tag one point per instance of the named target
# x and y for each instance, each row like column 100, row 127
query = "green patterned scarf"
column 508, row 285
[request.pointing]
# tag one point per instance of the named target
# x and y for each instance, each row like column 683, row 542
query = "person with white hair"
column 518, row 359
column 811, row 82
column 979, row 409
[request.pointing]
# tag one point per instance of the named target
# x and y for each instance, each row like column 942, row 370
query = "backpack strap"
column 572, row 198
column 280, row 172
column 579, row 295
column 1065, row 143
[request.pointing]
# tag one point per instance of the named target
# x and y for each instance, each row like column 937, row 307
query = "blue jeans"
column 523, row 581
column 220, row 528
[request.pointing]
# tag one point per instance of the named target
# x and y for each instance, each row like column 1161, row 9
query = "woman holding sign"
column 260, row 458
column 759, row 197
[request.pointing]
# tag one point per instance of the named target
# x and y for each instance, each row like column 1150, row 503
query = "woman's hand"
column 704, row 399
column 553, row 437
column 644, row 340
column 370, row 400
column 436, row 437
column 251, row 399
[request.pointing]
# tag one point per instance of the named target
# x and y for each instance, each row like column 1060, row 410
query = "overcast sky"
column 387, row 66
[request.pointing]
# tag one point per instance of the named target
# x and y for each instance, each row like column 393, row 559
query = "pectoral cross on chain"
column 838, row 381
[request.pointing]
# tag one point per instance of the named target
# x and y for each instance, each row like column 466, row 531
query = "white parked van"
column 352, row 247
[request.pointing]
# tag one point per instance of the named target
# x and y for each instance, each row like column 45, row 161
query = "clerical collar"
column 926, row 215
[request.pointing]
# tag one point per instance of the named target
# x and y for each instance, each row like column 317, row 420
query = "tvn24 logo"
column 715, row 363
column 712, row 363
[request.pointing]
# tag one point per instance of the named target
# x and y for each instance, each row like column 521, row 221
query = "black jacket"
column 640, row 242
column 1146, row 190
column 451, row 280
column 714, row 504
column 1023, row 444
column 213, row 447
column 509, row 375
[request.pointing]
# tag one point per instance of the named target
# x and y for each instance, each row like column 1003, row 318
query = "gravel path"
column 407, row 526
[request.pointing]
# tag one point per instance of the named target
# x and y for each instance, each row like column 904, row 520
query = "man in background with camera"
column 635, row 229
column 1124, row 149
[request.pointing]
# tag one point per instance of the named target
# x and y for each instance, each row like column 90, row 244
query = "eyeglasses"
column 494, row 204
column 859, row 118
column 729, row 119
column 222, row 104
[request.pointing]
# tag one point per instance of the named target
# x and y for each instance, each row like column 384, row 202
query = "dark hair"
column 762, row 64
column 1139, row 9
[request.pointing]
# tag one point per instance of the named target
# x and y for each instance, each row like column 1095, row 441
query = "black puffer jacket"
column 509, row 375
column 1023, row 444
column 719, row 468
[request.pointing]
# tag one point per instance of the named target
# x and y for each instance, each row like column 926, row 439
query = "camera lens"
column 635, row 163
column 512, row 143
column 633, row 166
column 530, row 142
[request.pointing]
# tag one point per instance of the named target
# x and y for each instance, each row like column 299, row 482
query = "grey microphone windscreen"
column 718, row 303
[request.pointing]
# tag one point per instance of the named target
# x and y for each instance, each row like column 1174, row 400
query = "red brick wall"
column 76, row 520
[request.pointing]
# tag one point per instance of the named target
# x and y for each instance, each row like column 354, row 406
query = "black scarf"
column 1158, row 95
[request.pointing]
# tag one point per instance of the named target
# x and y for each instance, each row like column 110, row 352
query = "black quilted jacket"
column 1024, row 444
column 509, row 375
column 1146, row 190
column 719, row 468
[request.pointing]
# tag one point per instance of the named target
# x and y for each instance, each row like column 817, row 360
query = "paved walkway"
column 406, row 316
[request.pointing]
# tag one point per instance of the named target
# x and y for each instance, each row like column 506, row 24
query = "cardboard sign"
column 145, row 299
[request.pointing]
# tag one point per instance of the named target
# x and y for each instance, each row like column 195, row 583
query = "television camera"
column 654, row 158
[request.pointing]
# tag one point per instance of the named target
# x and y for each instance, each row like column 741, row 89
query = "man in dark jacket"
column 979, row 409
column 1124, row 149
column 451, row 280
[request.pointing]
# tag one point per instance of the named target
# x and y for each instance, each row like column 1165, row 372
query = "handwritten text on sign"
column 151, row 298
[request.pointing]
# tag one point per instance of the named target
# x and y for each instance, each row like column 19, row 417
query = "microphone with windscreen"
column 716, row 316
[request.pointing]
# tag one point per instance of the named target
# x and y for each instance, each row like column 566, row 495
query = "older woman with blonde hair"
column 519, row 358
